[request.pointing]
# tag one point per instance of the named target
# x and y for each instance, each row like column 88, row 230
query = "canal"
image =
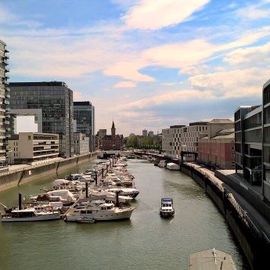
column 144, row 242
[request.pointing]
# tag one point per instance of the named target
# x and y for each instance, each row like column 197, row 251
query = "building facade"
column 111, row 142
column 180, row 138
column 4, row 104
column 216, row 149
column 266, row 141
column 55, row 100
column 17, row 117
column 81, row 143
column 84, row 114
column 28, row 147
column 248, row 143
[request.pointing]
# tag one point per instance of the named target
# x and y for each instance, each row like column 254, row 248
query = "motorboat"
column 108, row 196
column 30, row 214
column 37, row 213
column 166, row 208
column 97, row 211
column 65, row 195
column 173, row 166
column 132, row 192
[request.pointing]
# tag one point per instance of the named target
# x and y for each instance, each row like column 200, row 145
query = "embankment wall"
column 255, row 245
column 33, row 173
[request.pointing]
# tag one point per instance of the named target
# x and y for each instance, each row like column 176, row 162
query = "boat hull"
column 166, row 214
column 126, row 214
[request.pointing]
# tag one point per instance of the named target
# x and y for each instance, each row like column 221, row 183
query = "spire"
column 113, row 129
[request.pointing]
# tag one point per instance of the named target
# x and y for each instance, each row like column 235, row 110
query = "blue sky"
column 144, row 63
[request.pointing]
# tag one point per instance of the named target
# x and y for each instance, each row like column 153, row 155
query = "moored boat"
column 98, row 211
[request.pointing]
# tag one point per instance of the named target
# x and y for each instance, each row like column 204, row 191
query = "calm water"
column 144, row 242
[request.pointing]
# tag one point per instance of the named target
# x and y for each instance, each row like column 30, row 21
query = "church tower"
column 113, row 129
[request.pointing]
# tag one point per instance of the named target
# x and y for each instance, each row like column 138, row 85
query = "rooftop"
column 82, row 103
column 177, row 126
column 51, row 83
column 199, row 123
column 221, row 121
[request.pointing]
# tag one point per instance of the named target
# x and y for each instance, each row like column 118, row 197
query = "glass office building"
column 56, row 101
column 84, row 114
column 4, row 104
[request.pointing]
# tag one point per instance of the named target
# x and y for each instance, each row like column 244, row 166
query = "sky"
column 146, row 64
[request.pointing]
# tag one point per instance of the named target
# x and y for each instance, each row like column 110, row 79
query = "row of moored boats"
column 102, row 193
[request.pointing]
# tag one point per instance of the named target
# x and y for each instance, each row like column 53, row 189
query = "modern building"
column 216, row 149
column 144, row 132
column 84, row 114
column 4, row 104
column 28, row 147
column 169, row 145
column 110, row 142
column 81, row 143
column 248, row 143
column 55, row 100
column 24, row 120
column 183, row 138
column 191, row 134
column 266, row 141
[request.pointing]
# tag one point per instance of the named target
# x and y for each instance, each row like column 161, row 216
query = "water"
column 144, row 242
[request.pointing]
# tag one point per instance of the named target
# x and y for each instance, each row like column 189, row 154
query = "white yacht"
column 108, row 196
column 97, row 211
column 172, row 166
column 132, row 192
column 166, row 208
column 31, row 214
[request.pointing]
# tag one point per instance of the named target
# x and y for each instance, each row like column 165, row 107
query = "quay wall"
column 33, row 173
column 252, row 197
column 255, row 245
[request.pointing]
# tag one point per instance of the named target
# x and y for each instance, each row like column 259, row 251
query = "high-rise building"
column 55, row 100
column 84, row 114
column 4, row 104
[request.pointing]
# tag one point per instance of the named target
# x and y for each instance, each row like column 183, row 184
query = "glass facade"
column 84, row 114
column 56, row 101
column 4, row 104
column 248, row 143
column 266, row 132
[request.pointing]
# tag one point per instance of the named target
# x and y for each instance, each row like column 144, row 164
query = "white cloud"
column 129, row 70
column 250, row 56
column 152, row 15
column 231, row 83
column 254, row 12
column 168, row 97
column 125, row 84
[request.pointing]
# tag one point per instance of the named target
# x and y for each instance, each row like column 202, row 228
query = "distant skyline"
column 144, row 64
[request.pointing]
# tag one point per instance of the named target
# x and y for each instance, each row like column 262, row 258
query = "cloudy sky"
column 144, row 63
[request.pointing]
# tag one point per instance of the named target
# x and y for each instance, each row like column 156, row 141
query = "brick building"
column 110, row 142
column 217, row 147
